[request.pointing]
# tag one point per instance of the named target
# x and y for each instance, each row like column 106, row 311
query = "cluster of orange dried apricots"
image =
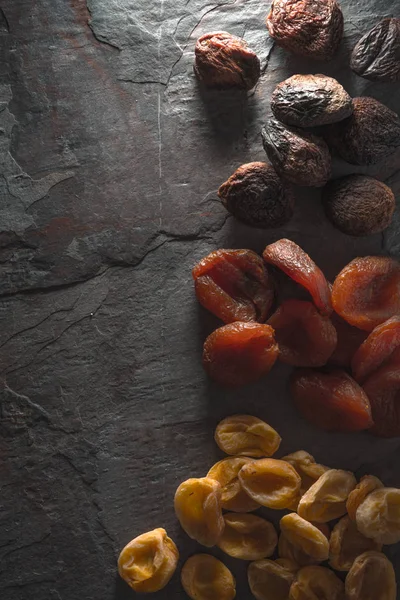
column 366, row 515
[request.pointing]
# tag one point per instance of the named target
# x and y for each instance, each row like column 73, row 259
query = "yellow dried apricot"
column 378, row 517
column 204, row 577
column 248, row 537
column 366, row 485
column 371, row 577
column 245, row 435
column 198, row 508
column 270, row 482
column 305, row 536
column 233, row 497
column 326, row 498
column 289, row 551
column 148, row 562
column 268, row 580
column 288, row 564
column 347, row 543
column 306, row 467
column 316, row 583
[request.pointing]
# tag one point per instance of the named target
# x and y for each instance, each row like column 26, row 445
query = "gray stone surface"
column 110, row 159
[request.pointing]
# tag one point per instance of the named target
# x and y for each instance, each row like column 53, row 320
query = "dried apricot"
column 347, row 543
column 349, row 339
column 316, row 583
column 306, row 467
column 377, row 348
column 269, row 580
column 245, row 435
column 332, row 401
column 305, row 338
column 295, row 553
column 270, row 482
column 305, row 536
column 383, row 391
column 148, row 562
column 288, row 564
column 371, row 577
column 326, row 498
column 292, row 260
column 233, row 497
column 248, row 537
column 367, row 291
column 234, row 285
column 198, row 508
column 205, row 577
column 376, row 55
column 378, row 517
column 365, row 486
column 240, row 353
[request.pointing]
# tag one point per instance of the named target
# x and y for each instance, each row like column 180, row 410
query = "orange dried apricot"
column 365, row 486
column 270, row 580
column 233, row 497
column 383, row 391
column 245, row 435
column 248, row 537
column 326, row 498
column 349, row 339
column 205, row 577
column 305, row 536
column 347, row 543
column 371, row 577
column 316, row 583
column 270, row 482
column 376, row 349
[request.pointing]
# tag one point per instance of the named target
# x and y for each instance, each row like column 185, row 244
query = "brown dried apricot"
column 292, row 260
column 248, row 537
column 347, row 543
column 365, row 486
column 240, row 353
column 288, row 564
column 270, row 482
column 371, row 577
column 332, row 401
column 305, row 338
column 305, row 536
column 349, row 339
column 378, row 516
column 306, row 467
column 198, row 508
column 234, row 285
column 383, row 391
column 148, row 562
column 326, row 498
column 376, row 349
column 233, row 497
column 376, row 55
column 316, row 583
column 205, row 577
column 269, row 580
column 245, row 435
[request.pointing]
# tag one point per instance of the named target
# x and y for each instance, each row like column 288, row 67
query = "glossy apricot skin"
column 305, row 338
column 234, row 285
column 332, row 401
column 367, row 291
column 376, row 349
column 349, row 339
column 383, row 391
column 240, row 353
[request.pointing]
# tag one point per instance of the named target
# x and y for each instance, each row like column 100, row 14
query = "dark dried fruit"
column 376, row 56
column 305, row 338
column 368, row 136
column 224, row 61
column 240, row 353
column 292, row 260
column 234, row 285
column 367, row 291
column 312, row 28
column 256, row 195
column 359, row 205
column 383, row 391
column 332, row 401
column 377, row 348
column 349, row 339
column 310, row 100
column 297, row 155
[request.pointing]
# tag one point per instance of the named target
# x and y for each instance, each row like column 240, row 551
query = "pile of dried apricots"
column 353, row 325
column 366, row 515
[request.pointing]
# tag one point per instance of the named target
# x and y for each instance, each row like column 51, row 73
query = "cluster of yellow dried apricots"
column 367, row 516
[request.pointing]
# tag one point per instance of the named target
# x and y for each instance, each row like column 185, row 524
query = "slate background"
column 110, row 160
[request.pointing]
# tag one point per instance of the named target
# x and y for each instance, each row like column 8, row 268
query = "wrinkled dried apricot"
column 245, row 435
column 234, row 285
column 349, row 339
column 377, row 348
column 270, row 482
column 198, row 508
column 205, row 577
column 240, row 353
column 332, row 401
column 248, row 537
column 292, row 260
column 326, row 498
column 365, row 486
column 383, row 391
column 347, row 543
column 305, row 338
column 148, row 562
column 378, row 517
column 269, row 580
column 294, row 553
column 371, row 577
column 305, row 536
column 367, row 291
column 316, row 583
column 233, row 497
column 306, row 467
